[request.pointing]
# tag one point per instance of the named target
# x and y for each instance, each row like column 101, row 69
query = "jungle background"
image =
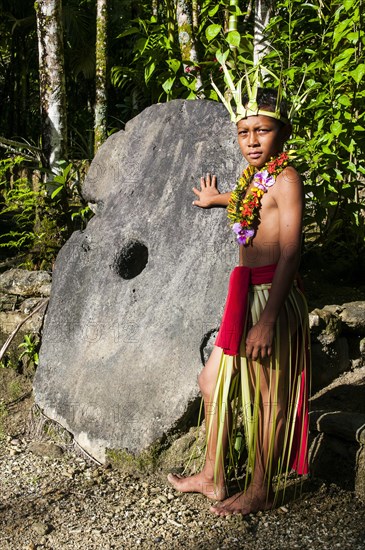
column 116, row 57
column 74, row 72
column 99, row 63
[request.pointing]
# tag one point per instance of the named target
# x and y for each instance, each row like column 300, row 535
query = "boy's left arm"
column 290, row 202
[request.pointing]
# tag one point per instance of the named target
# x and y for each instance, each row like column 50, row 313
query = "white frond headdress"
column 253, row 81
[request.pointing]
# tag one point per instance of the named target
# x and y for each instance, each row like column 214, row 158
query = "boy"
column 265, row 341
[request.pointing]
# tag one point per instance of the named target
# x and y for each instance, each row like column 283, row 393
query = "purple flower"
column 270, row 181
column 264, row 178
column 249, row 233
column 237, row 228
column 244, row 235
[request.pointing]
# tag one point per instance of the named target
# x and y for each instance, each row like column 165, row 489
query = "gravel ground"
column 53, row 499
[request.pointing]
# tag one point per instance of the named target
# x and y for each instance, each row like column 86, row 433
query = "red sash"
column 234, row 316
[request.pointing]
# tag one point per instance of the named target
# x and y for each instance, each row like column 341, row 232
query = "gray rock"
column 346, row 425
column 360, row 474
column 29, row 304
column 7, row 302
column 137, row 295
column 328, row 361
column 353, row 317
column 9, row 321
column 337, row 418
column 41, row 528
column 325, row 325
column 330, row 350
column 333, row 459
column 25, row 283
column 362, row 347
column 41, row 448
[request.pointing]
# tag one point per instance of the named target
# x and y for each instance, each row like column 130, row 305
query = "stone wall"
column 338, row 341
column 337, row 418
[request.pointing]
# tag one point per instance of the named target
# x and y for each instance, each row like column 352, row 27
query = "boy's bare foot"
column 244, row 503
column 198, row 483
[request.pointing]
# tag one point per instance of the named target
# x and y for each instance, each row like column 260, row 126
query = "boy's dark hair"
column 266, row 99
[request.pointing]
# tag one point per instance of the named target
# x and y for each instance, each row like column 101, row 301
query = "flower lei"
column 243, row 211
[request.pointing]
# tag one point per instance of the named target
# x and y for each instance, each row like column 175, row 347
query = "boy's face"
column 261, row 137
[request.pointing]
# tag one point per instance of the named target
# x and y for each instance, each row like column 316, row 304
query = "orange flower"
column 243, row 209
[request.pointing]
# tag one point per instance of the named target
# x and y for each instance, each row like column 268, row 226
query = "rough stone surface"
column 25, row 283
column 329, row 361
column 41, row 448
column 333, row 458
column 325, row 325
column 11, row 319
column 330, row 350
column 353, row 317
column 137, row 296
column 360, row 473
column 362, row 347
column 338, row 418
column 7, row 302
column 346, row 425
column 20, row 292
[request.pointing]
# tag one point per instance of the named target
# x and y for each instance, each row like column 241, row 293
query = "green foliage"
column 318, row 49
column 146, row 461
column 322, row 45
column 7, row 363
column 38, row 216
column 318, row 46
column 150, row 48
column 156, row 67
column 30, row 348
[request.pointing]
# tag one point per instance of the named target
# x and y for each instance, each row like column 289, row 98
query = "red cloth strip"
column 234, row 316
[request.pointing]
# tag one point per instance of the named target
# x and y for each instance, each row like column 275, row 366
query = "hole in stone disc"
column 131, row 260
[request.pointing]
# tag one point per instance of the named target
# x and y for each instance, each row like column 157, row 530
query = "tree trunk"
column 154, row 8
column 52, row 81
column 195, row 10
column 100, row 124
column 186, row 38
column 170, row 18
column 262, row 17
column 232, row 22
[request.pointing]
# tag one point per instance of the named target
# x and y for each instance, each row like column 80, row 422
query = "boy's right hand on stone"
column 207, row 192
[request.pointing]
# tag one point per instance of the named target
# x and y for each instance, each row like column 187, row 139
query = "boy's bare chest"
column 267, row 222
column 264, row 248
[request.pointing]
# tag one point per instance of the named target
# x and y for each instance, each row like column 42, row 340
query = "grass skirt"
column 270, row 397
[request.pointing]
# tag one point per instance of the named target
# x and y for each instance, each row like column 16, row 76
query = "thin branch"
column 19, row 144
column 11, row 150
column 12, row 145
column 24, row 396
column 16, row 330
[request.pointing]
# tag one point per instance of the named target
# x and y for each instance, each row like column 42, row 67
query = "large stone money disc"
column 138, row 295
